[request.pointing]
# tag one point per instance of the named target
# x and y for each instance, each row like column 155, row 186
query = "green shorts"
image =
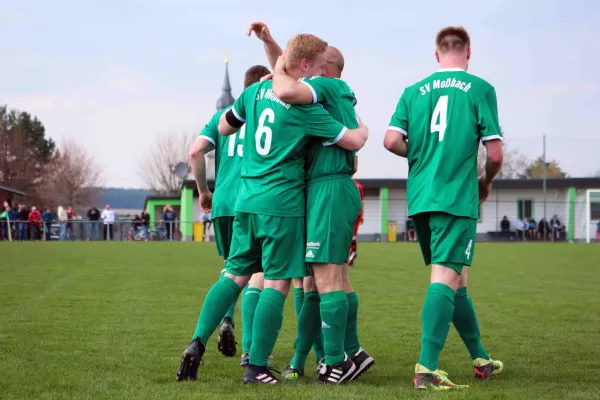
column 445, row 239
column 332, row 206
column 223, row 227
column 264, row 243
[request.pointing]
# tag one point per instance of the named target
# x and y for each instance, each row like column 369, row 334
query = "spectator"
column 206, row 224
column 505, row 225
column 531, row 228
column 70, row 226
column 411, row 235
column 169, row 217
column 7, row 217
column 521, row 226
column 93, row 216
column 35, row 222
column 146, row 222
column 48, row 218
column 22, row 217
column 543, row 231
column 62, row 220
column 108, row 216
column 556, row 227
column 598, row 232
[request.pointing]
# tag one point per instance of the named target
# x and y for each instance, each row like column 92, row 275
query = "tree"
column 73, row 177
column 513, row 166
column 535, row 170
column 158, row 164
column 25, row 151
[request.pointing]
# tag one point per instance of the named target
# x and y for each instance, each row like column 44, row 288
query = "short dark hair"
column 452, row 38
column 254, row 74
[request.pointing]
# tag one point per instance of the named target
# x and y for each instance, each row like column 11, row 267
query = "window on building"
column 524, row 208
column 594, row 210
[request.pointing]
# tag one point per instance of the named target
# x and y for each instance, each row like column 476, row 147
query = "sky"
column 117, row 75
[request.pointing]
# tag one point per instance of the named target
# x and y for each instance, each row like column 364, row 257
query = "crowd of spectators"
column 21, row 223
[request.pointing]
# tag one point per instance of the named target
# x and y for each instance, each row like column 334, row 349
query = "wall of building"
column 500, row 203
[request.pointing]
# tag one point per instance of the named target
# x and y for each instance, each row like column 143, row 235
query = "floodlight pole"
column 545, row 173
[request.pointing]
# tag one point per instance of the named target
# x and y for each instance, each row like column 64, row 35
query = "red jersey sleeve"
column 360, row 189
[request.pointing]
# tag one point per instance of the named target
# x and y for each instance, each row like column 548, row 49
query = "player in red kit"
column 359, row 221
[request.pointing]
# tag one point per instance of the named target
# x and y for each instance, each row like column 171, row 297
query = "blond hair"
column 304, row 46
column 452, row 38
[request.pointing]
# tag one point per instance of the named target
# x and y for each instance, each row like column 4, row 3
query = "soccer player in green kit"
column 228, row 156
column 270, row 206
column 438, row 125
column 333, row 203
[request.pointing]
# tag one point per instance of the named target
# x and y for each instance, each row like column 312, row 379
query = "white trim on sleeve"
column 491, row 137
column 398, row 129
column 312, row 90
column 207, row 138
column 337, row 139
column 235, row 114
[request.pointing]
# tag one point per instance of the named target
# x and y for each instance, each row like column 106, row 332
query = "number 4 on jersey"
column 440, row 113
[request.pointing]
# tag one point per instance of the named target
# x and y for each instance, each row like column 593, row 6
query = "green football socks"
column 249, row 301
column 309, row 325
column 351, row 343
column 218, row 299
column 231, row 310
column 318, row 347
column 334, row 316
column 298, row 300
column 438, row 309
column 268, row 318
column 465, row 322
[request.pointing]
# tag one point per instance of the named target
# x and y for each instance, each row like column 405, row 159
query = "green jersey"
column 338, row 99
column 228, row 166
column 274, row 150
column 444, row 117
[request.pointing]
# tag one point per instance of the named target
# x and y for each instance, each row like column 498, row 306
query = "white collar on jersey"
column 450, row 69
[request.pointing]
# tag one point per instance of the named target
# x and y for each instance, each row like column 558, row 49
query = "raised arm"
column 288, row 89
column 354, row 139
column 261, row 30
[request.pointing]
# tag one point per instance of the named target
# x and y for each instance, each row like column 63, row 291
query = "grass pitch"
column 110, row 320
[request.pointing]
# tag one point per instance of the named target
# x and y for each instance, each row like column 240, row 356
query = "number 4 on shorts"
column 468, row 250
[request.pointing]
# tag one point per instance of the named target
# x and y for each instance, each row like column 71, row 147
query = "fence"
column 566, row 220
column 77, row 230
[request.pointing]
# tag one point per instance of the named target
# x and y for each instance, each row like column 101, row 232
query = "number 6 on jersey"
column 269, row 115
column 440, row 113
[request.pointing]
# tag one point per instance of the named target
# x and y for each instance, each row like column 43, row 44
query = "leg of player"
column 309, row 327
column 249, row 302
column 298, row 295
column 227, row 344
column 265, row 330
column 338, row 367
column 436, row 317
column 465, row 322
column 216, row 303
column 359, row 356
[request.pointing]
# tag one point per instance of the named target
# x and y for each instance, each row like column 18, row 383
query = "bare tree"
column 73, row 177
column 514, row 165
column 156, row 168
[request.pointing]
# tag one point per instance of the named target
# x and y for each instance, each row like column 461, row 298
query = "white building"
column 385, row 201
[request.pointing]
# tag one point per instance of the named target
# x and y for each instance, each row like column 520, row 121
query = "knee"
column 257, row 281
column 281, row 285
column 328, row 277
column 309, row 284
